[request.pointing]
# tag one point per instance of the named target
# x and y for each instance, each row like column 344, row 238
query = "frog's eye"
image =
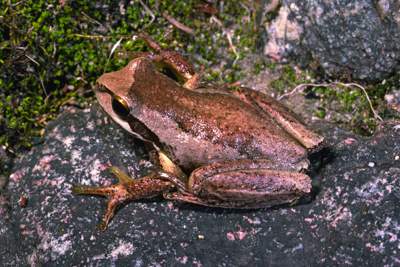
column 120, row 106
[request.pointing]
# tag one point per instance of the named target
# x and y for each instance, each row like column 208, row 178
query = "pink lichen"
column 238, row 235
column 349, row 141
column 17, row 176
column 44, row 163
column 230, row 236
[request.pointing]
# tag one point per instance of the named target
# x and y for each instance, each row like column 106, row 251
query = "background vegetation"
column 51, row 53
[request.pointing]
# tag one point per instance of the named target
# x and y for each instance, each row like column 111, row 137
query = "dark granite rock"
column 358, row 39
column 354, row 217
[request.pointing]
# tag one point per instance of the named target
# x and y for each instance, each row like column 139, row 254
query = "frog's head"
column 113, row 90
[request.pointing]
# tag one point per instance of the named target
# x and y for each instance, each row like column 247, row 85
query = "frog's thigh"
column 241, row 187
column 282, row 115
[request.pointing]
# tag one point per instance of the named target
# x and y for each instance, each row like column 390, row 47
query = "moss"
column 349, row 106
column 288, row 78
column 259, row 65
column 51, row 52
column 346, row 106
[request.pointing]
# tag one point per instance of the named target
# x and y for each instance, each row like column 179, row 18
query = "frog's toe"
column 116, row 194
column 112, row 204
column 91, row 190
column 102, row 226
column 122, row 177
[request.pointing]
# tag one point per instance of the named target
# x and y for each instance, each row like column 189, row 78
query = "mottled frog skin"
column 214, row 146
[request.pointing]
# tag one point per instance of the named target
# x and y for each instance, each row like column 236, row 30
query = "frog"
column 212, row 145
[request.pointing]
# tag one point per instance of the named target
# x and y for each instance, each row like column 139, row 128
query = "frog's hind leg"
column 126, row 189
column 244, row 184
column 187, row 197
column 172, row 63
column 282, row 115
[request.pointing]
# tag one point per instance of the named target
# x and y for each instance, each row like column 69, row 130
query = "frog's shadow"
column 319, row 161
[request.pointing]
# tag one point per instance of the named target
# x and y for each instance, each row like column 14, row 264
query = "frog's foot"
column 116, row 195
column 126, row 189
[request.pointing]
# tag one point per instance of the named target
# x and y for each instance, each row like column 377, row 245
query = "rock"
column 393, row 100
column 347, row 39
column 354, row 217
column 5, row 164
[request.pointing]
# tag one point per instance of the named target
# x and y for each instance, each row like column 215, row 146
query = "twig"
column 42, row 84
column 227, row 34
column 88, row 36
column 95, row 21
column 177, row 24
column 115, row 46
column 17, row 3
column 301, row 87
column 54, row 49
column 34, row 61
column 40, row 78
column 148, row 10
column 272, row 6
column 349, row 85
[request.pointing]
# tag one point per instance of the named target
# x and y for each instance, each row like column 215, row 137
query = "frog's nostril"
column 120, row 106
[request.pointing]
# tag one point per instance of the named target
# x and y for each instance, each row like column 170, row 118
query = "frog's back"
column 197, row 128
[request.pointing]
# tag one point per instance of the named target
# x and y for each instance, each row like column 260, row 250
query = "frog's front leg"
column 126, row 189
column 245, row 184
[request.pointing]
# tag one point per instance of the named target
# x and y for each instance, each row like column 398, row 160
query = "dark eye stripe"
column 101, row 88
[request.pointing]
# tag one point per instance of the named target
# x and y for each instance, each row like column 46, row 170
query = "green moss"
column 288, row 79
column 349, row 106
column 51, row 52
column 344, row 105
column 259, row 65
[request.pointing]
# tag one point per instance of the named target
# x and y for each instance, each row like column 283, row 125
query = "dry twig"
column 272, row 6
column 178, row 24
column 228, row 35
column 96, row 37
column 148, row 10
column 95, row 21
column 31, row 59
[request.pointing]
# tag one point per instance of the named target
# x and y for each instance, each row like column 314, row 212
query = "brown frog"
column 214, row 146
